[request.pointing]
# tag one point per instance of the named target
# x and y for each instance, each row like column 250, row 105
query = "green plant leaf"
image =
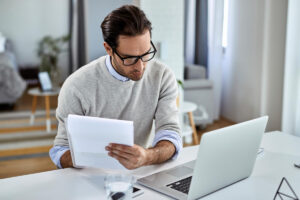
column 179, row 82
column 48, row 50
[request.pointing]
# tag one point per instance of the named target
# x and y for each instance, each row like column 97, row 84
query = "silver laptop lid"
column 226, row 156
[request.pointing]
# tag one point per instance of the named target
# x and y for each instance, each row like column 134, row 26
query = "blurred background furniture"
column 29, row 74
column 199, row 90
column 12, row 85
column 36, row 92
column 188, row 129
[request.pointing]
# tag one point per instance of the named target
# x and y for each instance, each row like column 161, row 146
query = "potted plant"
column 48, row 51
column 180, row 85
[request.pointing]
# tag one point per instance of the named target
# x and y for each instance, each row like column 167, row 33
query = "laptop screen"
column 45, row 81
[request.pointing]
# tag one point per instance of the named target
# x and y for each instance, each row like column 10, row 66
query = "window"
column 225, row 25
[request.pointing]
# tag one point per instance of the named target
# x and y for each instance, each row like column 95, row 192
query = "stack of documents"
column 88, row 137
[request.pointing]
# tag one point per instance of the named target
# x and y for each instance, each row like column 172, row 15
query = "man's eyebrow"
column 126, row 55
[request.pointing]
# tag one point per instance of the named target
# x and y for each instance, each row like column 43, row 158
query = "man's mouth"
column 137, row 73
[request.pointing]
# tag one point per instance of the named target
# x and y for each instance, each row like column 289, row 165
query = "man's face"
column 131, row 46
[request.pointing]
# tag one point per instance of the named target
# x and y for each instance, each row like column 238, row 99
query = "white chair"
column 199, row 90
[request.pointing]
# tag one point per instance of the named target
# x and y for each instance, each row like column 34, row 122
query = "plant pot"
column 55, row 77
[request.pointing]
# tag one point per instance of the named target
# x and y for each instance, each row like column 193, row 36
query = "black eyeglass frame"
column 137, row 57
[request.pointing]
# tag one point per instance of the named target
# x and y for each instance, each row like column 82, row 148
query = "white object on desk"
column 234, row 144
column 88, row 183
column 88, row 137
column 279, row 142
column 36, row 92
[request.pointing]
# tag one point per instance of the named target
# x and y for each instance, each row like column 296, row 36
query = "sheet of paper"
column 89, row 135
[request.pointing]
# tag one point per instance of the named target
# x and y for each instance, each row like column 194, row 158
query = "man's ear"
column 108, row 49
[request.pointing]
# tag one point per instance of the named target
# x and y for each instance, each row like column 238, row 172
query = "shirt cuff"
column 55, row 154
column 171, row 136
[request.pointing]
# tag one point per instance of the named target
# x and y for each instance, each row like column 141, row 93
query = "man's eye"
column 130, row 59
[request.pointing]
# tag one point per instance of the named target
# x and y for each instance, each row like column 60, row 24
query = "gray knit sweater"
column 93, row 91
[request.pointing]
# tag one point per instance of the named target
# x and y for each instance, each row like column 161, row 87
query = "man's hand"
column 130, row 157
column 137, row 156
column 66, row 160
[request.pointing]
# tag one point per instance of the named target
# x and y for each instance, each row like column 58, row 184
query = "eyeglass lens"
column 145, row 58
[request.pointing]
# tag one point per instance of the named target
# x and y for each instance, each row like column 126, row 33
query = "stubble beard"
column 131, row 75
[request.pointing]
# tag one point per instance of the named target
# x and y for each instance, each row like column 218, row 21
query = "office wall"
column 167, row 21
column 291, row 102
column 26, row 22
column 243, row 60
column 273, row 61
column 96, row 11
column 254, row 60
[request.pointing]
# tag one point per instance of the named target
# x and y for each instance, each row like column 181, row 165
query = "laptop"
column 225, row 156
column 45, row 81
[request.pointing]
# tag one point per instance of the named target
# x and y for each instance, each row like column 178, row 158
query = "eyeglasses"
column 131, row 60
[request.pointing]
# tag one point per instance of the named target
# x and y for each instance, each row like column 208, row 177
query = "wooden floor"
column 34, row 160
column 24, row 161
column 17, row 167
column 221, row 123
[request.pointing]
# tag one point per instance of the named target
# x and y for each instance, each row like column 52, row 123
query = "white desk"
column 281, row 151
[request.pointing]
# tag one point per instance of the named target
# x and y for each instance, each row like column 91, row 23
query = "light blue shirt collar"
column 113, row 72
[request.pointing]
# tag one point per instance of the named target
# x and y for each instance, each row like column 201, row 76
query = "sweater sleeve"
column 166, row 115
column 70, row 101
column 170, row 136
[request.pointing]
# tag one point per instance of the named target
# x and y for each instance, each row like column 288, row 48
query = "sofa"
column 12, row 85
column 199, row 90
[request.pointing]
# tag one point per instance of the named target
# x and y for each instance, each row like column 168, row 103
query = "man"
column 127, row 84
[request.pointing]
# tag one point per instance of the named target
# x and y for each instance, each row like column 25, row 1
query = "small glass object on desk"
column 118, row 186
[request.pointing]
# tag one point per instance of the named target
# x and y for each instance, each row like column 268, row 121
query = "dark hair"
column 127, row 20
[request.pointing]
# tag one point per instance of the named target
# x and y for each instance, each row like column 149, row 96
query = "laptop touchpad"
column 180, row 171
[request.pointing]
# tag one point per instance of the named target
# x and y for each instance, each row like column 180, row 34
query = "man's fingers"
column 116, row 156
column 121, row 153
column 124, row 161
column 123, row 148
column 130, row 157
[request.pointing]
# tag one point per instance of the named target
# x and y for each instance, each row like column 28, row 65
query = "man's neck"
column 113, row 71
column 114, row 66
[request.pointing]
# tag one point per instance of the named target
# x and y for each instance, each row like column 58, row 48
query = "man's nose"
column 139, row 65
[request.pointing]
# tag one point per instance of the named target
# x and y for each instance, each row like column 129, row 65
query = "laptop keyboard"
column 182, row 185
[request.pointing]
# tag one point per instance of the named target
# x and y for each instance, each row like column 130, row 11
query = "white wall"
column 253, row 63
column 26, row 22
column 96, row 11
column 273, row 61
column 167, row 18
column 291, row 102
column 243, row 60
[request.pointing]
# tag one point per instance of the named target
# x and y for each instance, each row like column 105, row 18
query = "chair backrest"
column 192, row 71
